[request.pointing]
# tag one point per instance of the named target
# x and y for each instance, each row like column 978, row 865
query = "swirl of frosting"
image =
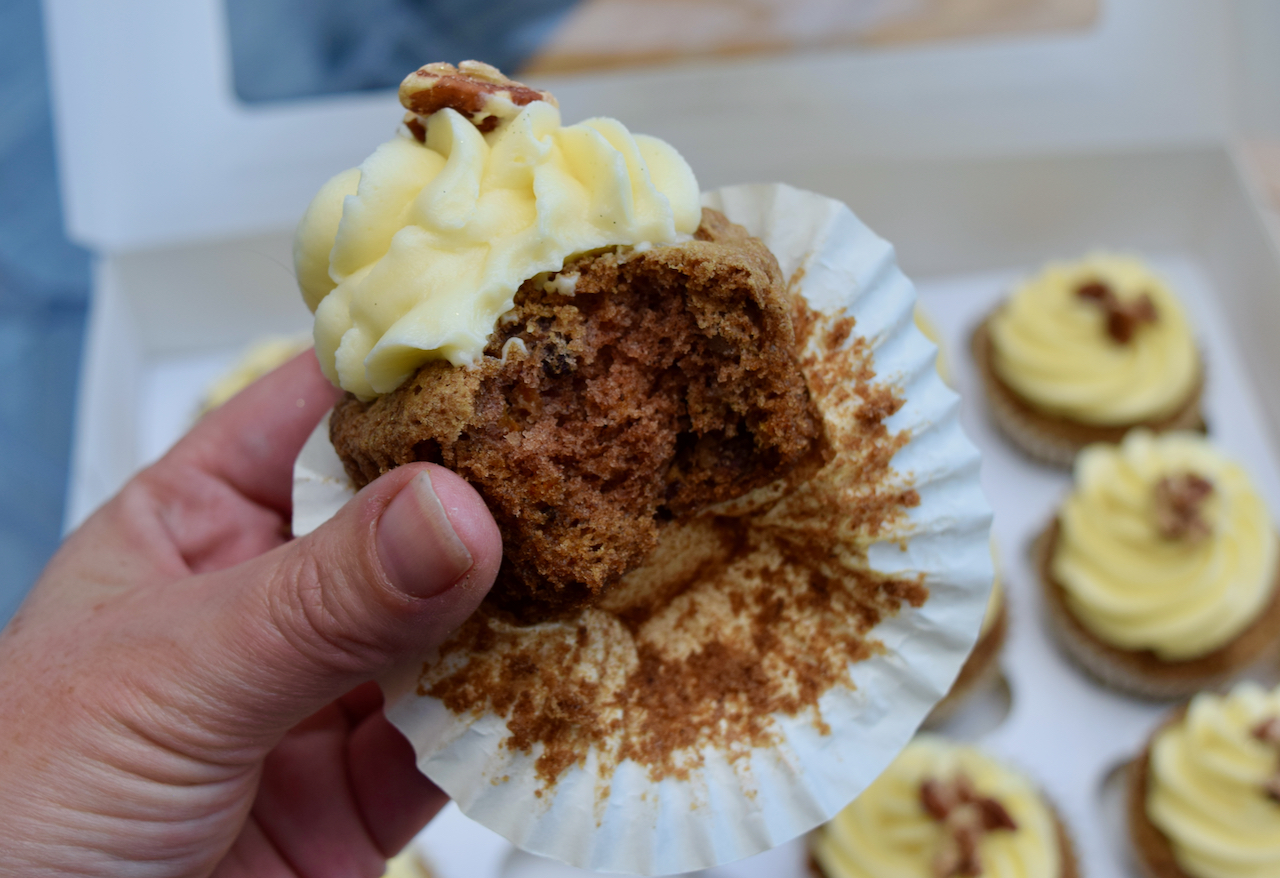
column 417, row 253
column 1207, row 786
column 888, row 833
column 1052, row 346
column 1133, row 584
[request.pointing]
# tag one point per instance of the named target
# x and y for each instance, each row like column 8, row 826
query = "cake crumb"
column 749, row 610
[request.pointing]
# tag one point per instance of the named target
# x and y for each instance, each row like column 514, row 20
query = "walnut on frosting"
column 477, row 90
column 966, row 817
column 1268, row 732
column 1178, row 501
column 1123, row 318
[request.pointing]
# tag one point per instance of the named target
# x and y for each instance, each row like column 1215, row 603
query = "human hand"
column 185, row 691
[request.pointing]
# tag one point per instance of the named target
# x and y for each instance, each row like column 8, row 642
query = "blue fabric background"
column 44, row 286
column 295, row 48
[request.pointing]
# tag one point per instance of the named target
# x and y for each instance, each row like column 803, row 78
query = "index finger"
column 252, row 440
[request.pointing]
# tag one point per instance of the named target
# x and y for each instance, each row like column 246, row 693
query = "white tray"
column 964, row 230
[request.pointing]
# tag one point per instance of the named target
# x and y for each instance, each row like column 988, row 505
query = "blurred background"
column 284, row 50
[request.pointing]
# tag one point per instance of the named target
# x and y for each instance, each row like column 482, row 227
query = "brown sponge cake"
column 634, row 387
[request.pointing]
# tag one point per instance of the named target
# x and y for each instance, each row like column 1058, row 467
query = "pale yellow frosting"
column 1052, row 347
column 1138, row 589
column 886, row 832
column 1206, row 788
column 417, row 253
column 406, row 864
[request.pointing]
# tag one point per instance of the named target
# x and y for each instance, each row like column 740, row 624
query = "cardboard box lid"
column 155, row 148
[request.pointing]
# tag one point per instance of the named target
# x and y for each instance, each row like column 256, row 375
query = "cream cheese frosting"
column 888, row 833
column 417, row 253
column 1052, row 346
column 1136, row 587
column 1207, row 786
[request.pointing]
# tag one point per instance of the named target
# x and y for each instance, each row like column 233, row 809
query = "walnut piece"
column 966, row 817
column 476, row 90
column 1123, row 318
column 1179, row 501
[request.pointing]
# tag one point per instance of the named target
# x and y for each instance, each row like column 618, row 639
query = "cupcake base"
column 1141, row 672
column 979, row 670
column 1153, row 854
column 1054, row 439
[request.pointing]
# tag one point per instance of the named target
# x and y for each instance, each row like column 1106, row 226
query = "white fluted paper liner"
column 729, row 809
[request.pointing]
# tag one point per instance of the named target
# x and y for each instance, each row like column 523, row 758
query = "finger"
column 220, row 497
column 252, row 440
column 393, row 797
column 305, row 805
column 382, row 583
column 361, row 701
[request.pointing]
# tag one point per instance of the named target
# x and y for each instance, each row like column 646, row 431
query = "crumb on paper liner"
column 633, row 740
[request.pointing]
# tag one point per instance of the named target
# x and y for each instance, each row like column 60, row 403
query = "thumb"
column 385, row 581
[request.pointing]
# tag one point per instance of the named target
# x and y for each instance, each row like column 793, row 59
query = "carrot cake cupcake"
column 1204, row 796
column 943, row 810
column 1160, row 569
column 1084, row 352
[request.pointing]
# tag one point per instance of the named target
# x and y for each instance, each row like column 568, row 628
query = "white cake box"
column 978, row 160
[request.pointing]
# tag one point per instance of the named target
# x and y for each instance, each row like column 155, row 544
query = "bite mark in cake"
column 660, row 382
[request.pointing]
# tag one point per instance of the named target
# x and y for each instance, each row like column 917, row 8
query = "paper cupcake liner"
column 733, row 803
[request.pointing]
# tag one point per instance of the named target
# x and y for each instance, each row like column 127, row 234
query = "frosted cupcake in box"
column 946, row 810
column 1160, row 569
column 745, row 548
column 1086, row 351
column 1204, row 795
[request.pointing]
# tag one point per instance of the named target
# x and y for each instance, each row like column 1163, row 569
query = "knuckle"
column 321, row 614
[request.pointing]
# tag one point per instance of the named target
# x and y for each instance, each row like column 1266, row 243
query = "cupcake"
column 695, row 418
column 1086, row 351
column 546, row 310
column 943, row 810
column 1159, row 570
column 1204, row 796
column 981, row 667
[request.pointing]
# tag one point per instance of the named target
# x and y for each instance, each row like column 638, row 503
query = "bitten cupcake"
column 1159, row 571
column 942, row 810
column 1204, row 796
column 1085, row 351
